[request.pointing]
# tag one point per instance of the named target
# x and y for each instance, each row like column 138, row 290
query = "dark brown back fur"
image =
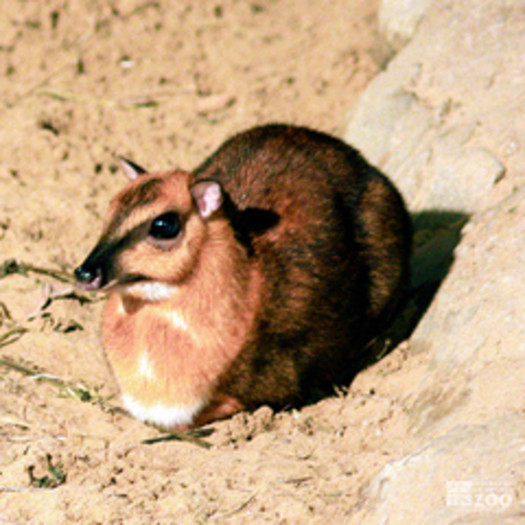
column 331, row 239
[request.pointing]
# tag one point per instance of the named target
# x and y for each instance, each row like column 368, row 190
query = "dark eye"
column 166, row 226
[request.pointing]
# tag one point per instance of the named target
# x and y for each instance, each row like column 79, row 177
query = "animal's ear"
column 131, row 169
column 208, row 197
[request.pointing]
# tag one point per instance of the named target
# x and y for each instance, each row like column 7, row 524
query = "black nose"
column 89, row 277
column 85, row 274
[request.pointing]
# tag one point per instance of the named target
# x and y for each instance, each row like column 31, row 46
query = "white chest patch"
column 151, row 291
column 146, row 368
column 162, row 415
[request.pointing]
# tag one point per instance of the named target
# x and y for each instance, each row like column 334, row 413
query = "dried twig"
column 50, row 294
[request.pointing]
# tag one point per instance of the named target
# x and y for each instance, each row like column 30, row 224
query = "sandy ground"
column 163, row 83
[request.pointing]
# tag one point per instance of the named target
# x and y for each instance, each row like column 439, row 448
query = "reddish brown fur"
column 278, row 291
column 214, row 287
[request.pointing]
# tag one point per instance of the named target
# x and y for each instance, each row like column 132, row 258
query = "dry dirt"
column 163, row 83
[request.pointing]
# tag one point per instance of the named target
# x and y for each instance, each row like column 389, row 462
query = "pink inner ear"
column 131, row 169
column 208, row 197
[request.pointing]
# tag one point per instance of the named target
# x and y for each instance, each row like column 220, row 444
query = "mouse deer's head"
column 153, row 234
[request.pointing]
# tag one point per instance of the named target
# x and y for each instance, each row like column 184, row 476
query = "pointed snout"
column 89, row 277
column 98, row 271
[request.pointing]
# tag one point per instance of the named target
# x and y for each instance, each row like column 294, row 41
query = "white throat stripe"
column 151, row 291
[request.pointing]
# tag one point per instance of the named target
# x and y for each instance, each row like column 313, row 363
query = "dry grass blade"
column 5, row 314
column 12, row 335
column 54, row 478
column 12, row 266
column 140, row 101
column 240, row 508
column 191, row 436
column 81, row 393
column 65, row 95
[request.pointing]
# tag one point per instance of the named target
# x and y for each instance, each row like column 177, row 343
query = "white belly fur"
column 162, row 415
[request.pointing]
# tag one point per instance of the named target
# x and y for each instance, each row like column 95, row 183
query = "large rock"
column 467, row 410
column 398, row 20
column 470, row 475
column 446, row 121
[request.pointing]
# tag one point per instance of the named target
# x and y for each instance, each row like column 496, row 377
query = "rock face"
column 468, row 475
column 446, row 121
column 398, row 20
